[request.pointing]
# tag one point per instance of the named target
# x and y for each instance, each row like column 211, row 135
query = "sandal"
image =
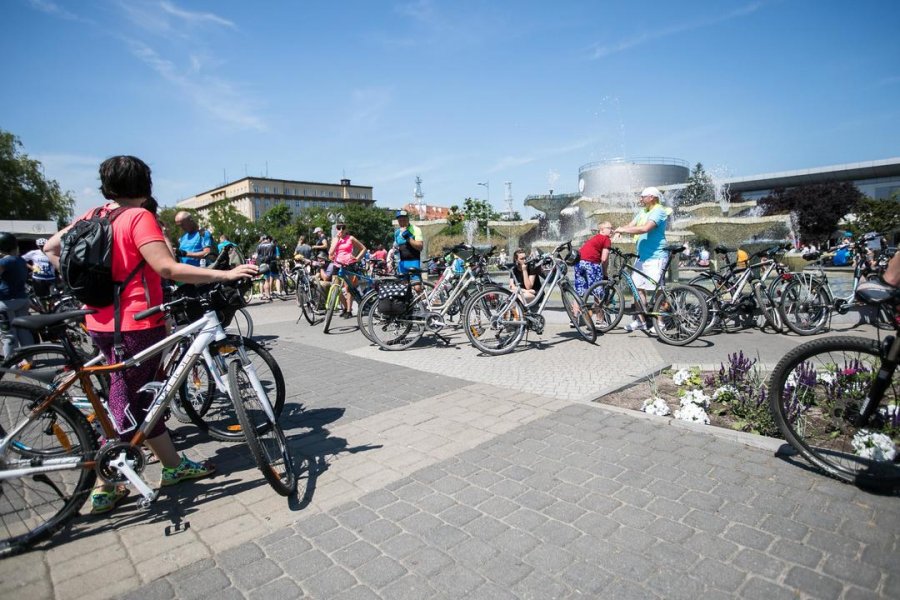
column 103, row 501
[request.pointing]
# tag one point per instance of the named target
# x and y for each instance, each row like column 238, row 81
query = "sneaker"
column 636, row 325
column 186, row 469
column 103, row 501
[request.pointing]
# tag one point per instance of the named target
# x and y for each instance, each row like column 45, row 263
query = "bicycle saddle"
column 812, row 256
column 872, row 292
column 674, row 248
column 723, row 250
column 36, row 322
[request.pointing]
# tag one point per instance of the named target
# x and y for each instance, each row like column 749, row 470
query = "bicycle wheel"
column 713, row 310
column 331, row 302
column 767, row 306
column 604, row 301
column 33, row 507
column 195, row 390
column 494, row 321
column 394, row 332
column 680, row 314
column 290, row 285
column 362, row 313
column 805, row 307
column 241, row 324
column 264, row 436
column 220, row 420
column 579, row 314
column 815, row 394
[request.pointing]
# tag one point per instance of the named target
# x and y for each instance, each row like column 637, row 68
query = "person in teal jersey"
column 409, row 243
column 649, row 225
column 196, row 244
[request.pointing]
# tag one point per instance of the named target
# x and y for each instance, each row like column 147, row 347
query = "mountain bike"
column 310, row 295
column 836, row 400
column 49, row 454
column 677, row 312
column 356, row 280
column 729, row 302
column 808, row 302
column 495, row 320
column 430, row 308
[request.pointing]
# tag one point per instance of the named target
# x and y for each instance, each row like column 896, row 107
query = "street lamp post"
column 487, row 186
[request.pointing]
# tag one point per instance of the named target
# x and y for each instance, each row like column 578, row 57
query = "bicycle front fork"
column 882, row 381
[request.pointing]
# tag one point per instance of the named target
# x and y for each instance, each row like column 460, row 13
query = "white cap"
column 651, row 191
column 318, row 230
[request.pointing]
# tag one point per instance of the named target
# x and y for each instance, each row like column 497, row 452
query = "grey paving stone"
column 758, row 563
column 410, row 587
column 202, row 584
column 380, row 572
column 359, row 592
column 550, row 558
column 444, row 537
column 379, row 531
column 719, row 574
column 506, row 569
column 852, row 572
column 539, row 586
column 356, row 554
column 748, row 536
column 402, row 545
column 676, row 584
column 334, row 539
column 305, row 565
column 427, row 561
column 459, row 515
column 398, row 510
column 472, row 552
column 812, row 583
column 160, row 589
column 255, row 574
column 795, row 552
column 757, row 588
column 668, row 530
column 287, row 547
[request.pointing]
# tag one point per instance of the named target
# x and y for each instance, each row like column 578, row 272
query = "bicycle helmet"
column 8, row 242
column 40, row 242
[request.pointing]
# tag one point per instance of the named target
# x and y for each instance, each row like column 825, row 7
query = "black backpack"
column 85, row 262
column 265, row 253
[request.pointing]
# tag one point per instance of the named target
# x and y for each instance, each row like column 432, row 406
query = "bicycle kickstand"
column 443, row 338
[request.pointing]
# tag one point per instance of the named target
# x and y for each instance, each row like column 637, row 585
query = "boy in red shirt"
column 594, row 257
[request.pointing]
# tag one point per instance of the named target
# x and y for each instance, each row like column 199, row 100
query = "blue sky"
column 457, row 92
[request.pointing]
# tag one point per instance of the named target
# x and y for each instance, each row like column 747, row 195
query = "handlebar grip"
column 148, row 313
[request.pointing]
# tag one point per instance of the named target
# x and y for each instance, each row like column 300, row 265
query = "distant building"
column 426, row 212
column 254, row 196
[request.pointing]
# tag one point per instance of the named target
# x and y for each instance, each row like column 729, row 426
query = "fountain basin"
column 714, row 209
column 551, row 204
column 733, row 231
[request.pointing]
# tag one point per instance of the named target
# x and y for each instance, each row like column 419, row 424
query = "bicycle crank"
column 118, row 462
column 435, row 321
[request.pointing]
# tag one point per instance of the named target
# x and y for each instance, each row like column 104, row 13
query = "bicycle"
column 355, row 277
column 728, row 301
column 808, row 302
column 495, row 320
column 44, row 436
column 430, row 308
column 678, row 312
column 836, row 402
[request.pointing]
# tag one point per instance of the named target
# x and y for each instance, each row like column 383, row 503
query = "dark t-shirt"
column 303, row 250
column 12, row 280
column 520, row 279
column 592, row 249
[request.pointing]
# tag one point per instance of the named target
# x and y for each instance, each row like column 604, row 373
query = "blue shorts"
column 406, row 266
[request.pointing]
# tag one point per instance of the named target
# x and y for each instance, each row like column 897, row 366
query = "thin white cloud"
column 602, row 51
column 222, row 99
column 368, row 104
column 510, row 162
column 77, row 174
column 196, row 17
column 55, row 10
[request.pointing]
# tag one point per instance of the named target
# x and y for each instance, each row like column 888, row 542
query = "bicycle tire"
column 681, row 314
column 194, row 390
column 480, row 318
column 604, row 300
column 713, row 310
column 770, row 312
column 312, row 299
column 265, row 437
column 394, row 333
column 814, row 395
column 331, row 302
column 362, row 313
column 805, row 307
column 48, row 500
column 220, row 420
column 50, row 362
column 241, row 324
column 579, row 314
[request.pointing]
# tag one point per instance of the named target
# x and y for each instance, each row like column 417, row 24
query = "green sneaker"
column 186, row 469
column 103, row 501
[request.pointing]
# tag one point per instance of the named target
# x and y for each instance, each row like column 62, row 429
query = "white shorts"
column 652, row 267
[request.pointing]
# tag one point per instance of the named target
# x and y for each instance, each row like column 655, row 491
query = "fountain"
column 552, row 206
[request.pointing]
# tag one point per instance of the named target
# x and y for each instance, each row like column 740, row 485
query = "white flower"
column 681, row 377
column 656, row 406
column 874, row 446
column 696, row 397
column 692, row 414
column 890, row 411
column 725, row 393
column 826, row 378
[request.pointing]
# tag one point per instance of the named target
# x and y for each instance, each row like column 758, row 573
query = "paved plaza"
column 439, row 473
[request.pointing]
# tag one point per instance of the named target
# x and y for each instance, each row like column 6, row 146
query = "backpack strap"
column 118, row 288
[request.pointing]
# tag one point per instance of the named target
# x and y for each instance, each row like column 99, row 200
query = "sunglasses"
column 339, row 227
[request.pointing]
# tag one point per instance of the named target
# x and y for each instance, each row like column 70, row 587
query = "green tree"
column 310, row 218
column 367, row 224
column 882, row 216
column 454, row 216
column 699, row 187
column 820, row 206
column 225, row 218
column 278, row 223
column 479, row 211
column 24, row 191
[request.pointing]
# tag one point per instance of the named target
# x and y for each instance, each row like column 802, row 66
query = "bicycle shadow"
column 788, row 454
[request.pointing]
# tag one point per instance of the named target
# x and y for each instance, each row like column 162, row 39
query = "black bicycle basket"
column 393, row 298
column 224, row 299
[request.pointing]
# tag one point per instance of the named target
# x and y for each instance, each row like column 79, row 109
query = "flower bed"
column 734, row 397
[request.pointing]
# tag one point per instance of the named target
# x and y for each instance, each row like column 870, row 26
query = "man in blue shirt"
column 196, row 244
column 409, row 243
column 649, row 225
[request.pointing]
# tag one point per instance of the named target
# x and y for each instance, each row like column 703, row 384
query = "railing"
column 639, row 160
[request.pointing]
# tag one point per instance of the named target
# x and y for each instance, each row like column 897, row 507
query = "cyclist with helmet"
column 409, row 242
column 13, row 295
column 43, row 273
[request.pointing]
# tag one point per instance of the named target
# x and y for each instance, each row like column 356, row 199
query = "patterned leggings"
column 586, row 275
column 124, row 385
